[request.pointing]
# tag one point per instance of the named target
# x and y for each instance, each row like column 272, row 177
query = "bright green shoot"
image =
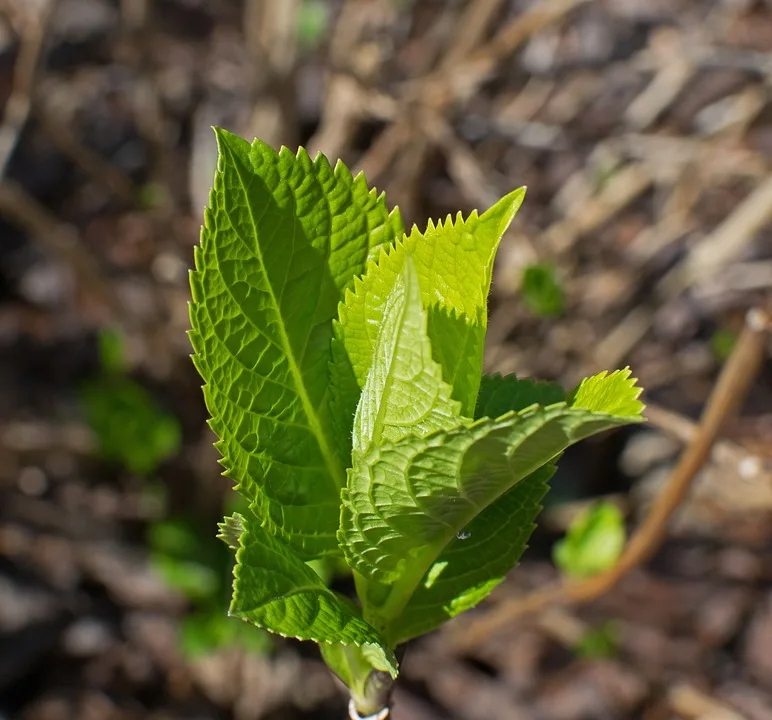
column 343, row 368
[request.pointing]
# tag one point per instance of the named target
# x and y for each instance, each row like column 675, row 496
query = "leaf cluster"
column 342, row 359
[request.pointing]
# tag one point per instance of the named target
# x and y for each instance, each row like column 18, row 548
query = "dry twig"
column 90, row 161
column 712, row 254
column 17, row 107
column 725, row 451
column 729, row 392
column 60, row 240
column 689, row 702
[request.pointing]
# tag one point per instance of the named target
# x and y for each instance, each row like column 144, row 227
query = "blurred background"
column 643, row 130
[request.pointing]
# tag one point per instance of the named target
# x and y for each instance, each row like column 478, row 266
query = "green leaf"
column 404, row 393
column 722, row 343
column 174, row 537
column 275, row 590
column 405, row 502
column 541, row 291
column 475, row 561
column 453, row 262
column 502, row 394
column 129, row 426
column 230, row 530
column 593, row 543
column 196, row 581
column 207, row 631
column 480, row 556
column 284, row 237
column 111, row 352
column 614, row 394
column 599, row 642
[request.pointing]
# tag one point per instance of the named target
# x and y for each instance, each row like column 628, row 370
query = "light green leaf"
column 475, row 561
column 275, row 590
column 615, row 393
column 405, row 502
column 502, row 394
column 284, row 237
column 404, row 393
column 593, row 543
column 453, row 261
column 230, row 530
column 480, row 556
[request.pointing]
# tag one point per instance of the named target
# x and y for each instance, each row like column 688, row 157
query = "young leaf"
column 283, row 239
column 275, row 590
column 453, row 262
column 502, row 394
column 472, row 565
column 593, row 543
column 404, row 502
column 231, row 529
column 404, row 393
column 475, row 562
column 614, row 394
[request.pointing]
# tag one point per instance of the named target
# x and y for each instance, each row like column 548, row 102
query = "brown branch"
column 61, row 241
column 461, row 79
column 689, row 702
column 730, row 390
column 88, row 160
column 23, row 101
column 17, row 107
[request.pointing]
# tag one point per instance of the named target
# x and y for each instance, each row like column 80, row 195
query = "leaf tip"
column 506, row 208
column 615, row 393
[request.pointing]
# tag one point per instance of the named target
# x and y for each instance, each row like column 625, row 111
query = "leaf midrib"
column 383, row 400
column 313, row 421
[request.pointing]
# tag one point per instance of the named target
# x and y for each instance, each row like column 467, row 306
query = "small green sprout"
column 593, row 543
column 130, row 428
column 542, row 291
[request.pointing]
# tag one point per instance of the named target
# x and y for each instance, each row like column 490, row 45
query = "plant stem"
column 353, row 713
column 375, row 703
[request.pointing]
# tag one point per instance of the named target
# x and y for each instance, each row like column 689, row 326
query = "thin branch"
column 691, row 703
column 729, row 392
column 462, row 79
column 59, row 239
column 90, row 161
column 17, row 107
